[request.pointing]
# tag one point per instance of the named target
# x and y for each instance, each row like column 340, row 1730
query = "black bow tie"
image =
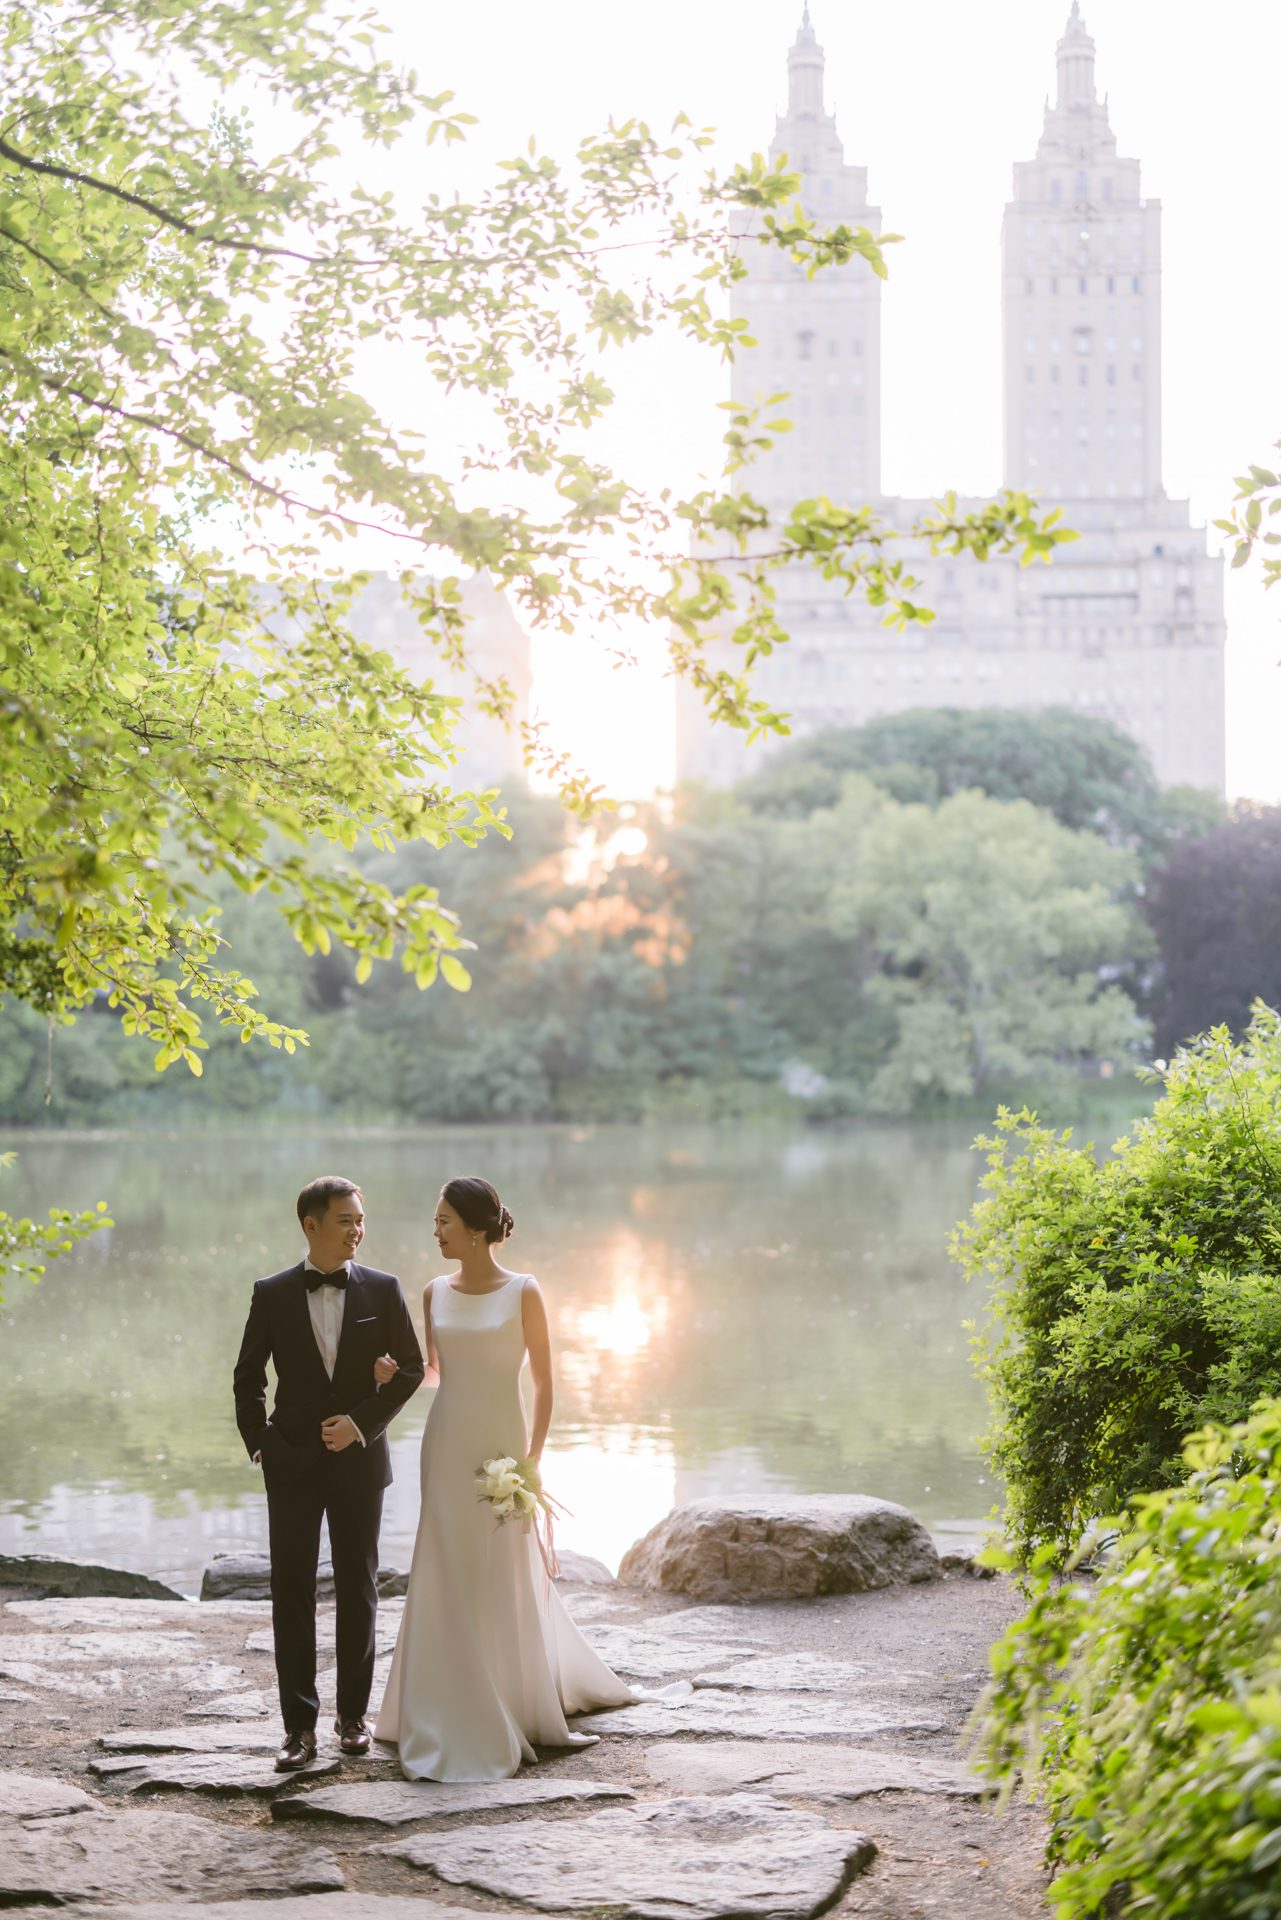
column 338, row 1280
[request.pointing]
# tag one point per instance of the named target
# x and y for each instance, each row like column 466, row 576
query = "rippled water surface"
column 735, row 1311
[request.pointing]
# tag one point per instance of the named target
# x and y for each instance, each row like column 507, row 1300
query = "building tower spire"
column 1076, row 63
column 805, row 74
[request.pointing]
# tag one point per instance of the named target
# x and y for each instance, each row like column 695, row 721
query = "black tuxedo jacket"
column 375, row 1321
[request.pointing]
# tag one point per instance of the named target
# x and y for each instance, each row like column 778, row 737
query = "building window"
column 858, row 349
column 1083, row 376
column 1082, row 186
column 1029, row 344
column 1082, row 285
column 1111, row 376
column 1054, row 376
column 1136, row 285
column 1136, row 371
column 805, row 346
column 833, row 348
column 1108, row 184
column 1136, row 343
column 1081, row 339
column 1029, row 374
column 1029, row 286
column 1055, row 343
column 1111, row 283
column 1056, row 190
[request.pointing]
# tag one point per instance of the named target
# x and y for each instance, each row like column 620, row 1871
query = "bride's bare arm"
column 538, row 1344
column 432, row 1376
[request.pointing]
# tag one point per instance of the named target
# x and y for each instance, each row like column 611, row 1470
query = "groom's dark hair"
column 316, row 1195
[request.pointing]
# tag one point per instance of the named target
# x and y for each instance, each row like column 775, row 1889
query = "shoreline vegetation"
column 927, row 916
column 1101, row 1105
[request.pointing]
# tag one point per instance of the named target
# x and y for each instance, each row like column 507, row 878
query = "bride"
column 488, row 1664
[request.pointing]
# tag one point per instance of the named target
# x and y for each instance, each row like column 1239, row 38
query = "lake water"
column 735, row 1312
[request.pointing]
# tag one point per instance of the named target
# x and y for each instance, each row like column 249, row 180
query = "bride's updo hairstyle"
column 478, row 1206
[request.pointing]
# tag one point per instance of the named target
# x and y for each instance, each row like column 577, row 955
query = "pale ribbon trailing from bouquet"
column 545, row 1535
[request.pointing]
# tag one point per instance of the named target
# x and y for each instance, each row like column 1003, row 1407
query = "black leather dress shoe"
column 353, row 1736
column 297, row 1750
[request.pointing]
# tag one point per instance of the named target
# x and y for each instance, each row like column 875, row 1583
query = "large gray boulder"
column 789, row 1548
column 52, row 1579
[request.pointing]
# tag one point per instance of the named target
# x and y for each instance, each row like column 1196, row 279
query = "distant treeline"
column 937, row 907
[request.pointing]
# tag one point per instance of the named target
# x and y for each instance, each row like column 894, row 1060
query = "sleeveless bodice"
column 478, row 1336
column 480, row 1345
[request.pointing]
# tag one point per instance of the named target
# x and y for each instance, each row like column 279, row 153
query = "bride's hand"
column 385, row 1369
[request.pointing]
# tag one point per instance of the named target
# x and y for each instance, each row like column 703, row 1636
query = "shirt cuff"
column 359, row 1435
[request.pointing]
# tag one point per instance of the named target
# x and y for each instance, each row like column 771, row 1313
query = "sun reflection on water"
column 618, row 1322
column 617, row 1479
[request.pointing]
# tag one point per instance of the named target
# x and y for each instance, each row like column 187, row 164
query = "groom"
column 324, row 1450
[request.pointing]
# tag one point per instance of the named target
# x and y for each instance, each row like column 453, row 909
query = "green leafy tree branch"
column 185, row 335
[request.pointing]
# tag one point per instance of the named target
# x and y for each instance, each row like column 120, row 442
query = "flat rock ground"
column 138, row 1738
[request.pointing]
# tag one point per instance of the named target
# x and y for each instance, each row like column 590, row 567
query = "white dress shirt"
column 326, row 1306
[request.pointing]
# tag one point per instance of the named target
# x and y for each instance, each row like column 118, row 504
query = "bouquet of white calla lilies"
column 513, row 1488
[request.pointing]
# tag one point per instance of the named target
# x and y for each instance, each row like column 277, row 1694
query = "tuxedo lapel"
column 351, row 1313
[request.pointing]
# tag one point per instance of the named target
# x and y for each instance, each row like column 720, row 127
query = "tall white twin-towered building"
column 1128, row 621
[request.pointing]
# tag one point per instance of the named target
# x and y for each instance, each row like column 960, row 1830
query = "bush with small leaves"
column 1145, row 1709
column 1136, row 1296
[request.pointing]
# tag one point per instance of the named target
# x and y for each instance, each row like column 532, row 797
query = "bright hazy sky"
column 937, row 99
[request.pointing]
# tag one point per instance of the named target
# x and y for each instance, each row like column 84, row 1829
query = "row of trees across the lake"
column 933, row 907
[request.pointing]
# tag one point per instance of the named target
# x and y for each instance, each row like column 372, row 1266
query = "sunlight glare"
column 627, row 844
column 620, row 1328
column 616, row 1488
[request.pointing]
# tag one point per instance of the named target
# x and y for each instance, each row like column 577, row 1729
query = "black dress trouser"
column 295, row 1508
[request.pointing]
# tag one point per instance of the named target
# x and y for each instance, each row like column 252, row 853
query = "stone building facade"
column 1127, row 622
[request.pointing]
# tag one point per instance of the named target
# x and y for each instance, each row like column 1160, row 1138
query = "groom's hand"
column 339, row 1431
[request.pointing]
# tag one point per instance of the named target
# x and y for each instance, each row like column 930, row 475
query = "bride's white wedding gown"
column 487, row 1662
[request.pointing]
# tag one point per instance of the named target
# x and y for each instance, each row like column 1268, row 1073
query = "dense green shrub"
column 1146, row 1709
column 1135, row 1297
